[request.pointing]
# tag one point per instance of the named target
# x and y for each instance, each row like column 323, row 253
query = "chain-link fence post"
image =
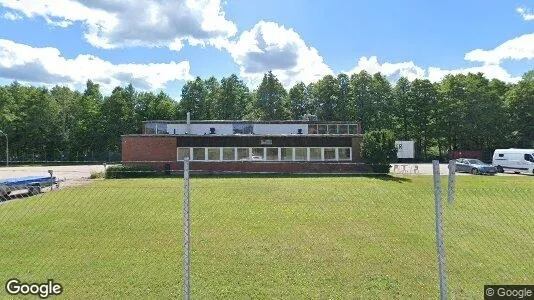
column 452, row 180
column 187, row 231
column 439, row 231
column 51, row 172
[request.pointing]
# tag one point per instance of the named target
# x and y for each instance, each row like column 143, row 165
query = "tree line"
column 459, row 112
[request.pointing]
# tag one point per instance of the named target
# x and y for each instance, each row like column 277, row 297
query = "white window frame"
column 178, row 153
column 335, row 154
column 292, row 158
column 277, row 155
column 350, row 153
column 321, row 155
column 191, row 151
column 237, row 156
column 295, row 154
column 220, row 153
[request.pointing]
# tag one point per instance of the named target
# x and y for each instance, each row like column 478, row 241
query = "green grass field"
column 325, row 237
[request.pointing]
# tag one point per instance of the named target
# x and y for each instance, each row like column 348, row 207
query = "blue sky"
column 158, row 45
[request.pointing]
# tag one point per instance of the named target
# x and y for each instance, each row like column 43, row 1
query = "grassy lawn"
column 325, row 237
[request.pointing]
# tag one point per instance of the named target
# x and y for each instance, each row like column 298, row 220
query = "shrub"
column 379, row 149
column 129, row 172
column 96, row 174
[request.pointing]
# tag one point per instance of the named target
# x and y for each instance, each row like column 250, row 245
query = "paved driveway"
column 426, row 169
column 69, row 173
column 61, row 172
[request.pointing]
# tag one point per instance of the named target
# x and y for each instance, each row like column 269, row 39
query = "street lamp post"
column 7, row 148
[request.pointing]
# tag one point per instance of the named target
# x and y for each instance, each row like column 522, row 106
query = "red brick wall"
column 466, row 154
column 261, row 167
column 148, row 148
column 161, row 150
column 278, row 167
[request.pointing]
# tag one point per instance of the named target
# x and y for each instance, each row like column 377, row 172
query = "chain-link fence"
column 97, row 238
column 266, row 236
column 489, row 235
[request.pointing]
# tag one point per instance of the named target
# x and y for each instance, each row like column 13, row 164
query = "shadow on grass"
column 16, row 196
column 384, row 177
column 387, row 177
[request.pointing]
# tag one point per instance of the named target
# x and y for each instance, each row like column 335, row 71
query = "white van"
column 514, row 160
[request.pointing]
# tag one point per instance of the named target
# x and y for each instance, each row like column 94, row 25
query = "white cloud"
column 518, row 48
column 405, row 69
column 11, row 16
column 527, row 14
column 411, row 71
column 47, row 66
column 149, row 23
column 490, row 71
column 269, row 46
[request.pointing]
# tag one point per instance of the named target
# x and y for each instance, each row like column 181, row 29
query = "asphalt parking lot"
column 426, row 169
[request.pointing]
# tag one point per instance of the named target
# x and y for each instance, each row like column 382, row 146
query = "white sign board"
column 405, row 149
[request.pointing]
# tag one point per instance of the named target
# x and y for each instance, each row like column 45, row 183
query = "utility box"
column 405, row 149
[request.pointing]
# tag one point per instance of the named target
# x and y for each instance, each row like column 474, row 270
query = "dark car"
column 474, row 166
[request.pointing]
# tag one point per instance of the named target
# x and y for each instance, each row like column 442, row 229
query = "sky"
column 161, row 44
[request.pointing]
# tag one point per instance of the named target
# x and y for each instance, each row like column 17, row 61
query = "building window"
column 332, row 129
column 353, row 129
column 150, row 128
column 229, row 153
column 199, row 154
column 315, row 154
column 214, row 154
column 343, row 129
column 301, row 154
column 286, row 153
column 161, row 128
column 183, row 153
column 312, row 129
column 272, row 153
column 242, row 153
column 258, row 152
column 322, row 129
column 329, row 153
column 243, row 128
column 344, row 153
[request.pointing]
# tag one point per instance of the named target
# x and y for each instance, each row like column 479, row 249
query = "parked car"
column 474, row 166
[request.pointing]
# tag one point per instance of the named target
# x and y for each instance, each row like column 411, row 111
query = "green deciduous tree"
column 118, row 114
column 381, row 109
column 520, row 107
column 194, row 100
column 361, row 97
column 270, row 98
column 234, row 96
column 423, row 98
column 326, row 98
column 379, row 149
column 402, row 110
column 463, row 111
column 297, row 101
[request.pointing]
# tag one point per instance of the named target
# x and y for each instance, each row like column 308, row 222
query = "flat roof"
column 249, row 122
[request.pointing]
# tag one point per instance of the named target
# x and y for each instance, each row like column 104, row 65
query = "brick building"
column 247, row 146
